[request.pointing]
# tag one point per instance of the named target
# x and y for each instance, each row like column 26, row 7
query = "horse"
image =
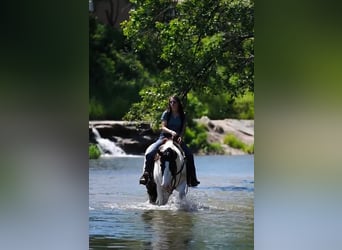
column 169, row 174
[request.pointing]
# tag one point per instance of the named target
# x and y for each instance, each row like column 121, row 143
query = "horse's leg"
column 159, row 195
column 158, row 181
column 181, row 190
column 152, row 191
column 163, row 196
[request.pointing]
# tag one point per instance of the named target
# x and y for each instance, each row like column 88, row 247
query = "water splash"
column 106, row 146
column 188, row 204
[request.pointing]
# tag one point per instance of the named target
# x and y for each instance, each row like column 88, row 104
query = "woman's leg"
column 190, row 167
column 149, row 161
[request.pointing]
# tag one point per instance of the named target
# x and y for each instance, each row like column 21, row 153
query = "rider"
column 172, row 126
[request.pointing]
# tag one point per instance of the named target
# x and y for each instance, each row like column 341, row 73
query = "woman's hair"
column 180, row 106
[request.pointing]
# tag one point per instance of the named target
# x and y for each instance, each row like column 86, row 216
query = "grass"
column 234, row 142
column 214, row 148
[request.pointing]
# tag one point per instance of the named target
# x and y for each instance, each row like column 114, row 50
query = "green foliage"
column 195, row 46
column 196, row 138
column 223, row 106
column 96, row 110
column 201, row 50
column 214, row 148
column 234, row 142
column 218, row 106
column 243, row 107
column 116, row 75
column 250, row 149
column 195, row 107
column 154, row 101
column 94, row 152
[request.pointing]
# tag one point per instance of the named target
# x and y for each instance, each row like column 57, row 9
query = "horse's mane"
column 173, row 145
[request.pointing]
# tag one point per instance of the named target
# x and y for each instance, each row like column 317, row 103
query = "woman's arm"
column 167, row 130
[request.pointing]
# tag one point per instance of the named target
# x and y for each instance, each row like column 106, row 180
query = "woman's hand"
column 173, row 133
column 176, row 137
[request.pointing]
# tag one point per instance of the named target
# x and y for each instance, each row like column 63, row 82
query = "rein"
column 173, row 180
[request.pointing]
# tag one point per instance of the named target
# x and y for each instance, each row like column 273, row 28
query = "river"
column 218, row 214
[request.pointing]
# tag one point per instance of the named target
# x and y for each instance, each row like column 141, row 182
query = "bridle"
column 174, row 182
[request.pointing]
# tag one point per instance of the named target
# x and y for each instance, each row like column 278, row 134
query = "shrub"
column 244, row 106
column 223, row 105
column 196, row 138
column 96, row 110
column 250, row 149
column 214, row 148
column 234, row 142
column 94, row 152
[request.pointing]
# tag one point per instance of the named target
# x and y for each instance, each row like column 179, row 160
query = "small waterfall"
column 106, row 146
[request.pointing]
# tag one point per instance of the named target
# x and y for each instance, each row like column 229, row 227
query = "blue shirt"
column 173, row 123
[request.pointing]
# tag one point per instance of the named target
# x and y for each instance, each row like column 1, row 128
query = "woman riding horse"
column 172, row 126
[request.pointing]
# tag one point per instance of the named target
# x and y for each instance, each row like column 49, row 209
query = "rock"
column 218, row 129
column 211, row 125
column 135, row 137
column 132, row 137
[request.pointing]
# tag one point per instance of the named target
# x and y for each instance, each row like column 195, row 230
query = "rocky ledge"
column 135, row 137
column 218, row 129
column 132, row 137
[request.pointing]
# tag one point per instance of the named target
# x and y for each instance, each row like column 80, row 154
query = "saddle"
column 157, row 156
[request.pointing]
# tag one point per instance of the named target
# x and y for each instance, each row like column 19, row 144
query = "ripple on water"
column 218, row 214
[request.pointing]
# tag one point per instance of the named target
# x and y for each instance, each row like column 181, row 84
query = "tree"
column 115, row 74
column 199, row 46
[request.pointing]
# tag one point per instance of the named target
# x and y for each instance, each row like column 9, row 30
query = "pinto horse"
column 169, row 174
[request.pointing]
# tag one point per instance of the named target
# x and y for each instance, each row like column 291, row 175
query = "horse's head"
column 169, row 171
column 168, row 155
column 171, row 162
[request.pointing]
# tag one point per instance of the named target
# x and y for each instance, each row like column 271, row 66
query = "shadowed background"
column 44, row 133
column 297, row 125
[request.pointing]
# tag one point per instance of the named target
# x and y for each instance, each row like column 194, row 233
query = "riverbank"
column 135, row 137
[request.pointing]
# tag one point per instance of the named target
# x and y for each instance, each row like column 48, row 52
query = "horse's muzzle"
column 167, row 187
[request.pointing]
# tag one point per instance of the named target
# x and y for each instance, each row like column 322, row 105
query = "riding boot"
column 144, row 178
column 147, row 175
column 191, row 175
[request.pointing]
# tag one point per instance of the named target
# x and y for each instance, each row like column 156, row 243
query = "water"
column 218, row 214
